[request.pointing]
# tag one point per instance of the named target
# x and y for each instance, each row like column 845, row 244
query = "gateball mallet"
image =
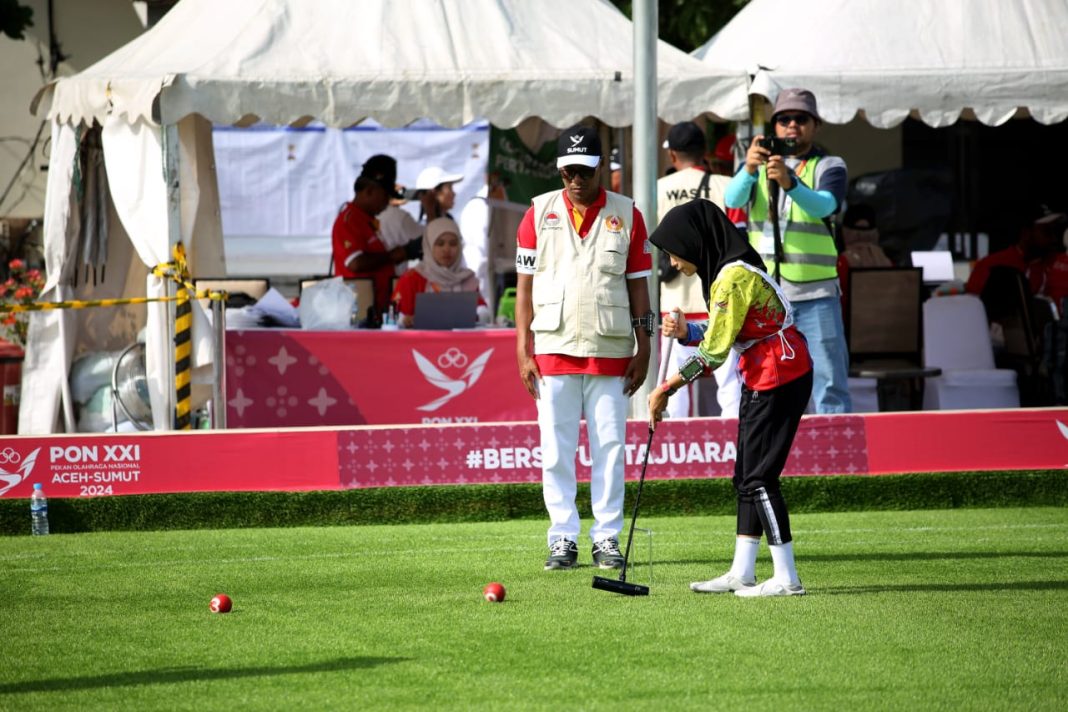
column 622, row 586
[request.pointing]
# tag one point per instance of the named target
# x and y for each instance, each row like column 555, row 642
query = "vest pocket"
column 613, row 257
column 613, row 313
column 548, row 301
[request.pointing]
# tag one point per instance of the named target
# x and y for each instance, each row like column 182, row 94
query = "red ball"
column 221, row 603
column 493, row 592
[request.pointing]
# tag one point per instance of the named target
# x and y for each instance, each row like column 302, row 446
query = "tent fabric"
column 138, row 241
column 134, row 154
column 48, row 352
column 338, row 61
column 937, row 61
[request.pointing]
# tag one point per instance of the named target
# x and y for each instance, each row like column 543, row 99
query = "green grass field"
column 960, row 609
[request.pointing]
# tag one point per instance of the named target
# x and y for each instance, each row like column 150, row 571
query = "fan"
column 129, row 388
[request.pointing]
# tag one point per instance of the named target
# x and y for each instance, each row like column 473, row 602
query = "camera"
column 779, row 146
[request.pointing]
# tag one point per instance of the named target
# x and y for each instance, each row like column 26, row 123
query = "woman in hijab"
column 747, row 312
column 441, row 270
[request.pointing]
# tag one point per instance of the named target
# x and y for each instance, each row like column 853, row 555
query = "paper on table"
column 274, row 307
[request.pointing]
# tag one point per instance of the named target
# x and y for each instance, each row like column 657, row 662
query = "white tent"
column 288, row 62
column 338, row 61
column 937, row 60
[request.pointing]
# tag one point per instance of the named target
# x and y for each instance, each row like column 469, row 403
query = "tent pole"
column 66, row 399
column 174, row 236
column 218, row 386
column 645, row 153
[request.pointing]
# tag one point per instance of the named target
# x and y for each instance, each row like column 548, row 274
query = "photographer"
column 807, row 187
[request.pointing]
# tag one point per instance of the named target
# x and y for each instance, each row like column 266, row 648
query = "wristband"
column 665, row 388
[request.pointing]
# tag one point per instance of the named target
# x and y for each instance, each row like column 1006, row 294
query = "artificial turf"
column 938, row 609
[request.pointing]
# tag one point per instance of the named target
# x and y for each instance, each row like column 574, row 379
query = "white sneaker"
column 771, row 587
column 724, row 584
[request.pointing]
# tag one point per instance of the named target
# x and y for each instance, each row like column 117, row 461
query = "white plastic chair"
column 956, row 339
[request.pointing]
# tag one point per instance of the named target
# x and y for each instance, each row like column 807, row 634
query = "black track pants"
column 767, row 423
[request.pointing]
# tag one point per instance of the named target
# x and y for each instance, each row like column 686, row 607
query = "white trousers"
column 562, row 402
column 681, row 405
column 729, row 382
column 728, row 385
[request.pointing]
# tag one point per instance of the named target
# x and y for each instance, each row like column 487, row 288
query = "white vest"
column 580, row 299
column 681, row 187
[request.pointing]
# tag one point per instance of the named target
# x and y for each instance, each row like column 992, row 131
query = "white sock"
column 782, row 558
column 745, row 556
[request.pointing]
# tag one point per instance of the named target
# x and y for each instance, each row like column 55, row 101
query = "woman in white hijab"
column 442, row 269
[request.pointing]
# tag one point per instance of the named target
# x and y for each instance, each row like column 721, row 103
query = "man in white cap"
column 808, row 187
column 582, row 300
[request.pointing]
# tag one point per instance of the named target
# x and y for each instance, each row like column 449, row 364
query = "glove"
column 413, row 249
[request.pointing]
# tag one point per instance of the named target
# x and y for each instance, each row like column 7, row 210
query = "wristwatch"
column 646, row 321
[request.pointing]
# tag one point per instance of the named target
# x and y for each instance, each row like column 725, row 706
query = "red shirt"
column 1047, row 276
column 412, row 283
column 356, row 232
column 639, row 266
column 745, row 308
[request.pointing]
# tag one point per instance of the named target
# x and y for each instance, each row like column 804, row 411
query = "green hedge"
column 403, row 505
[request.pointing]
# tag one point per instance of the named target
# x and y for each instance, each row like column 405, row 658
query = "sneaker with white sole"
column 563, row 554
column 724, row 584
column 771, row 587
column 606, row 554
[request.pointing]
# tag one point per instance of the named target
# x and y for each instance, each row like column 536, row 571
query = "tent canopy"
column 338, row 61
column 937, row 60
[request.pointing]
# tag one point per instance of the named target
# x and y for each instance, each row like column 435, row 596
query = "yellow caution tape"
column 177, row 271
column 86, row 304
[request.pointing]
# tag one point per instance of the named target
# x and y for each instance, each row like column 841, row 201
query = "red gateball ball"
column 221, row 603
column 493, row 592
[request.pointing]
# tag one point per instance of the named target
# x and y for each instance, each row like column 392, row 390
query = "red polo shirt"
column 356, row 232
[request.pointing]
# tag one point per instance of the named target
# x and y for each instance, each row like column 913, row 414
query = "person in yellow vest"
column 810, row 185
column 583, row 326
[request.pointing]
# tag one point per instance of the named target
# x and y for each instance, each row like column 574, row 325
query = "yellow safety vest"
column 809, row 252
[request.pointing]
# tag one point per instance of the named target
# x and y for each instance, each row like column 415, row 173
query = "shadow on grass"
column 803, row 558
column 944, row 587
column 189, row 674
column 939, row 555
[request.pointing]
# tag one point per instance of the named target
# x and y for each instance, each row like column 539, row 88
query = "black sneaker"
column 563, row 554
column 606, row 554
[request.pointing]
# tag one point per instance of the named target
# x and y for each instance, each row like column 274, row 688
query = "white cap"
column 432, row 177
column 588, row 161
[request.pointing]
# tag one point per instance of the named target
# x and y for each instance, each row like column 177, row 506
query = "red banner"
column 282, row 378
column 337, row 458
column 1028, row 438
column 101, row 465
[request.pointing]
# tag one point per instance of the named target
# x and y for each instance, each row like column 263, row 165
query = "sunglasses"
column 787, row 119
column 569, row 173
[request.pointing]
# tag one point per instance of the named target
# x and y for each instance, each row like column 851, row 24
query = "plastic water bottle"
column 38, row 511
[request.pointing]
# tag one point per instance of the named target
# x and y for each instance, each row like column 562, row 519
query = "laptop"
column 937, row 265
column 445, row 310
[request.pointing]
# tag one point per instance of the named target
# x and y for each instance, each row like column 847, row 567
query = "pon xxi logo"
column 452, row 359
column 15, row 469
